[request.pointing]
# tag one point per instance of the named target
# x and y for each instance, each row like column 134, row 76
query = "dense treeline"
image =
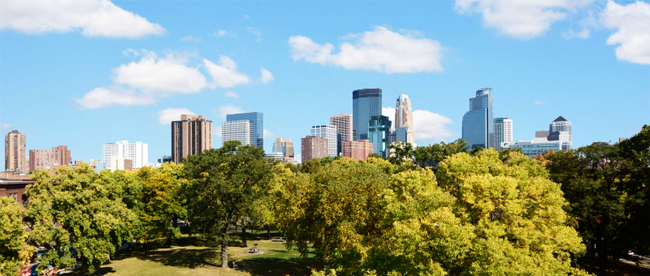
column 433, row 210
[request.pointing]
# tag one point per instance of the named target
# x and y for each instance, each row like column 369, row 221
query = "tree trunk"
column 601, row 249
column 268, row 231
column 243, row 235
column 224, row 247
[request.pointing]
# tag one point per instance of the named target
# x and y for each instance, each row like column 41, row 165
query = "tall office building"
column 502, row 131
column 560, row 130
column 190, row 136
column 241, row 130
column 343, row 123
column 478, row 122
column 257, row 121
column 16, row 152
column 365, row 104
column 378, row 132
column 49, row 159
column 404, row 117
column 359, row 150
column 283, row 145
column 137, row 152
column 313, row 147
column 328, row 132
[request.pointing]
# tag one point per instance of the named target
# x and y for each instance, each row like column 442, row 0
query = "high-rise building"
column 378, row 132
column 359, row 150
column 283, row 145
column 49, row 159
column 478, row 122
column 16, row 152
column 343, row 123
column 137, row 152
column 239, row 130
column 190, row 136
column 404, row 118
column 502, row 131
column 365, row 104
column 257, row 121
column 314, row 147
column 560, row 130
column 328, row 132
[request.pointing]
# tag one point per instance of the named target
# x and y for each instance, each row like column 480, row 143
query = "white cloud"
column 5, row 127
column 102, row 96
column 92, row 17
column 390, row 113
column 225, row 74
column 632, row 23
column 585, row 33
column 266, row 75
column 166, row 116
column 220, row 33
column 227, row 109
column 539, row 102
column 267, row 134
column 130, row 52
column 216, row 130
column 257, row 33
column 431, row 127
column 521, row 19
column 230, row 94
column 379, row 50
column 191, row 39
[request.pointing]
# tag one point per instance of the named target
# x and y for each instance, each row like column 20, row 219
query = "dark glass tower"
column 378, row 132
column 365, row 104
column 478, row 122
column 257, row 118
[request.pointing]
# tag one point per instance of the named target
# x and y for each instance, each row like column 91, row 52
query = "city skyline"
column 240, row 57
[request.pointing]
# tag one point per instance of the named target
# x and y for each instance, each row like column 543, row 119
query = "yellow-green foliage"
column 13, row 250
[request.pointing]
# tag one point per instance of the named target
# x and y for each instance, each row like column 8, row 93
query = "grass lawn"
column 189, row 256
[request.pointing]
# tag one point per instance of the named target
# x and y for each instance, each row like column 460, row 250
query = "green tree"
column 81, row 208
column 224, row 183
column 430, row 156
column 14, row 251
column 401, row 153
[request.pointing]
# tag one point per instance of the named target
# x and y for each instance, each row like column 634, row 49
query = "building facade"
column 343, row 123
column 534, row 147
column 313, row 147
column 404, row 118
column 328, row 132
column 49, row 159
column 365, row 104
column 137, row 152
column 478, row 122
column 16, row 152
column 257, row 122
column 190, row 136
column 560, row 130
column 378, row 134
column 359, row 150
column 502, row 132
column 241, row 130
column 283, row 145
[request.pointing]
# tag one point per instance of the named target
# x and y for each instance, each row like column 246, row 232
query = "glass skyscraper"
column 478, row 122
column 365, row 104
column 257, row 119
column 378, row 132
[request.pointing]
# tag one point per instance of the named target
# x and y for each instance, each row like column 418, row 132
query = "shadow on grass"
column 100, row 271
column 278, row 266
column 184, row 257
column 613, row 267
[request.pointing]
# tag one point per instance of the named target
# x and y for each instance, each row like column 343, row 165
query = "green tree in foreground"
column 13, row 249
column 224, row 184
column 430, row 156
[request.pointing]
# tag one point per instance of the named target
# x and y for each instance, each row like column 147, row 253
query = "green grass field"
column 189, row 256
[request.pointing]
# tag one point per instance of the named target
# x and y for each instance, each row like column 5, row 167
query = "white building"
column 404, row 117
column 240, row 130
column 137, row 152
column 560, row 130
column 502, row 132
column 328, row 132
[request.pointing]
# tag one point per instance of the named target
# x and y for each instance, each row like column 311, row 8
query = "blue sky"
column 67, row 78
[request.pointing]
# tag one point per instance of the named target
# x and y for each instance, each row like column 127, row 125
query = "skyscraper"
column 190, row 136
column 404, row 117
column 257, row 119
column 478, row 122
column 16, row 152
column 328, row 132
column 365, row 104
column 313, row 147
column 560, row 130
column 343, row 123
column 137, row 152
column 378, row 132
column 239, row 130
column 502, row 131
column 283, row 145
